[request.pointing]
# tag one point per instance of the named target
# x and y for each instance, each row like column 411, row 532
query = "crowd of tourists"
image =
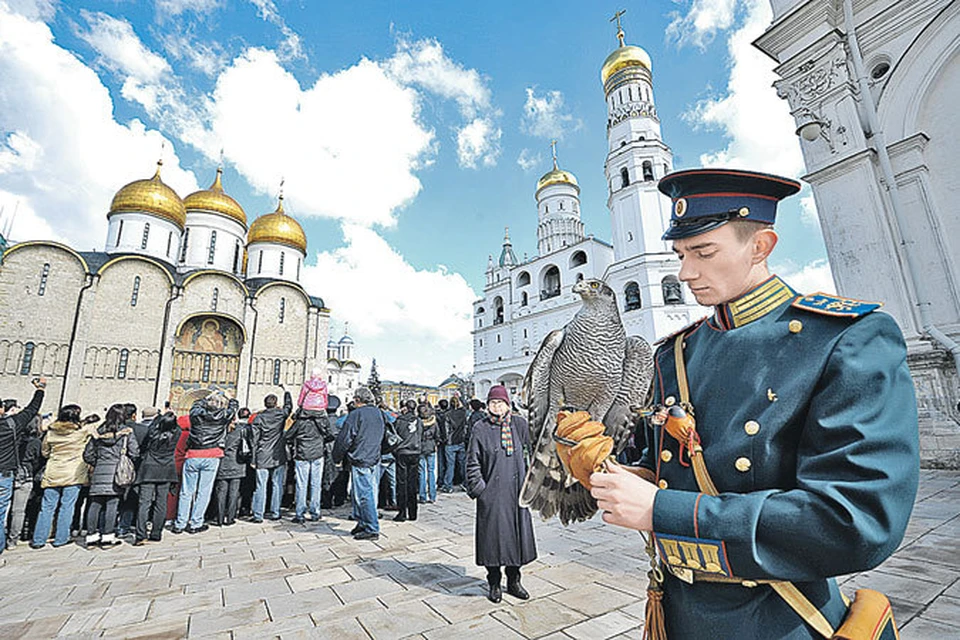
column 134, row 472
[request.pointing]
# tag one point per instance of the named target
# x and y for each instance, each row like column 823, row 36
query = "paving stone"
column 903, row 587
column 400, row 621
column 592, row 599
column 945, row 610
column 39, row 628
column 604, row 626
column 154, row 629
column 216, row 620
column 317, row 579
column 482, row 627
column 272, row 629
column 237, row 593
column 345, row 629
column 538, row 617
column 306, row 602
column 922, row 629
column 363, row 589
column 456, row 608
column 184, row 604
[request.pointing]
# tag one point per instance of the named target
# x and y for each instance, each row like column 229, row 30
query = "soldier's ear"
column 764, row 242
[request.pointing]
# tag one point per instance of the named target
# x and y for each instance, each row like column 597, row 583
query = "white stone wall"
column 231, row 237
column 277, row 261
column 162, row 237
column 277, row 340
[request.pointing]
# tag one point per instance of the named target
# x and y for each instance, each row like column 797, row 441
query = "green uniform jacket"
column 807, row 416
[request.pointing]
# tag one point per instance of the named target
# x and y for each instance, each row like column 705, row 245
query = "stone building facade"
column 167, row 312
column 874, row 87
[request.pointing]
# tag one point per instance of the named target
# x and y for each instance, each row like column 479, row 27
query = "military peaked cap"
column 705, row 199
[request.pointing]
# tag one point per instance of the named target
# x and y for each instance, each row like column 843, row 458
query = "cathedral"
column 185, row 298
column 525, row 300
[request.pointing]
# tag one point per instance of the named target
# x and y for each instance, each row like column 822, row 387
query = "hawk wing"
column 637, row 377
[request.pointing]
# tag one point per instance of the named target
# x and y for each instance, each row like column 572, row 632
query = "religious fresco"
column 208, row 334
column 206, row 358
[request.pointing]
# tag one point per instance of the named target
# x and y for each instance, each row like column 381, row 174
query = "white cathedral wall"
column 265, row 261
column 230, row 235
column 204, row 290
column 278, row 341
column 162, row 237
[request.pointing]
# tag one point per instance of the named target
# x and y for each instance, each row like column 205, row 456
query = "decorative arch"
column 550, row 282
column 672, row 290
column 498, row 310
column 206, row 356
column 282, row 283
column 51, row 244
column 578, row 259
column 523, row 279
column 220, row 274
column 631, row 297
column 151, row 261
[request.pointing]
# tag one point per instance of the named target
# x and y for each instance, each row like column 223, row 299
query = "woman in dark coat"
column 232, row 470
column 495, row 471
column 103, row 454
column 157, row 471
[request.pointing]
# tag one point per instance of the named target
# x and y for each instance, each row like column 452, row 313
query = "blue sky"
column 409, row 135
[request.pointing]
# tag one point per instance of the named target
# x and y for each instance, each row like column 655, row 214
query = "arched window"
column 524, row 300
column 647, row 170
column 119, row 232
column 666, row 169
column 481, row 311
column 578, row 259
column 207, row 361
column 259, row 261
column 283, row 309
column 298, row 269
column 630, row 93
column 213, row 247
column 579, row 277
column 282, row 256
column 44, row 274
column 276, row 372
column 624, row 177
column 215, row 299
column 169, row 243
column 498, row 338
column 561, row 205
column 146, row 235
column 523, row 279
column 631, row 296
column 525, row 334
column 183, row 247
column 550, row 284
column 136, row 291
column 27, row 363
column 236, row 257
column 672, row 291
column 122, row 363
column 498, row 310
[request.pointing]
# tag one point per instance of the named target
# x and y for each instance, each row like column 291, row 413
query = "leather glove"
column 591, row 448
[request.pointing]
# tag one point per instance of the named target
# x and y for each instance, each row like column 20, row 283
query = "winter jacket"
column 456, row 426
column 410, row 429
column 313, row 395
column 156, row 455
column 208, row 425
column 103, row 454
column 269, row 446
column 63, row 445
column 428, row 441
column 14, row 430
column 359, row 439
column 310, row 431
column 231, row 467
column 31, row 460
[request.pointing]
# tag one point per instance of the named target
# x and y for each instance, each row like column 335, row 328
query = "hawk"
column 590, row 365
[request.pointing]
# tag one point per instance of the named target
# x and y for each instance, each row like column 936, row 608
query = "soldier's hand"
column 625, row 499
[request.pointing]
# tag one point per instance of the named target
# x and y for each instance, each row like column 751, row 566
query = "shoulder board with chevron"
column 830, row 305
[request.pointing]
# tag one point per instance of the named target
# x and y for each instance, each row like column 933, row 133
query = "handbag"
column 390, row 440
column 245, row 448
column 126, row 473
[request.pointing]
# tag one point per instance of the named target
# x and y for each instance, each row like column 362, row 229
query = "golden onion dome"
column 623, row 57
column 150, row 196
column 557, row 176
column 215, row 200
column 278, row 227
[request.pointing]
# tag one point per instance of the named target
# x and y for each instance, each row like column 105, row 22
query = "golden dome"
column 150, row 196
column 216, row 201
column 278, row 227
column 623, row 57
column 557, row 176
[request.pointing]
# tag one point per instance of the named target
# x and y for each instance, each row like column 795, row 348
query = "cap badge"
column 744, row 212
column 680, row 208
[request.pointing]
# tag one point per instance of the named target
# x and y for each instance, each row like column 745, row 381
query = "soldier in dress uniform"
column 798, row 408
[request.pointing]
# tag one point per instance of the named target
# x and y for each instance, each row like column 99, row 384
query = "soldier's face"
column 717, row 266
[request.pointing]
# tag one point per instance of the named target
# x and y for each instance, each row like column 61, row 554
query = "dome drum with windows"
column 624, row 57
column 151, row 196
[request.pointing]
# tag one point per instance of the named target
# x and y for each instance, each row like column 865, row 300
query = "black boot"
column 495, row 595
column 516, row 589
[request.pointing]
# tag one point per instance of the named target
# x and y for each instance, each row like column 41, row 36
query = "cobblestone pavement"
column 419, row 580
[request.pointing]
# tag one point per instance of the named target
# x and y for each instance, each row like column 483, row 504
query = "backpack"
column 126, row 472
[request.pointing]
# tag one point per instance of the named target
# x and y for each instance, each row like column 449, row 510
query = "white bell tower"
column 644, row 272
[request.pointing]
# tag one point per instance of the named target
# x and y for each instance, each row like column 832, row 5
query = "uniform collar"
column 754, row 304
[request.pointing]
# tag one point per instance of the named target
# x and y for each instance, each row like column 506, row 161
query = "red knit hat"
column 498, row 392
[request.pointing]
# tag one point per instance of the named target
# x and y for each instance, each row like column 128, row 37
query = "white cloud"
column 63, row 155
column 120, row 49
column 34, row 9
column 702, row 22
column 809, row 278
column 755, row 121
column 424, row 64
column 207, row 58
column 322, row 138
column 291, row 47
column 528, row 160
column 394, row 308
column 808, row 211
column 479, row 143
column 176, row 7
column 544, row 116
